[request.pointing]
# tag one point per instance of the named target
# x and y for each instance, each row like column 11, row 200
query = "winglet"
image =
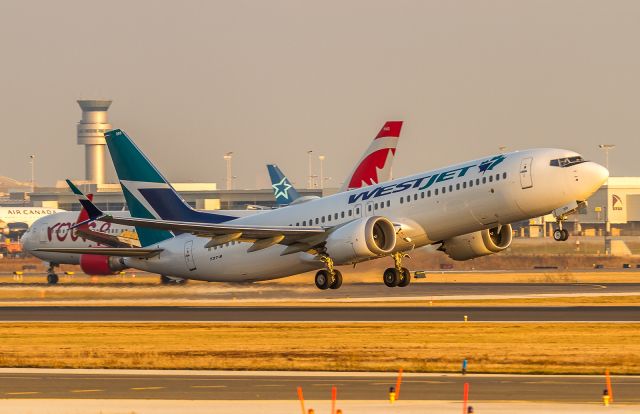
column 94, row 212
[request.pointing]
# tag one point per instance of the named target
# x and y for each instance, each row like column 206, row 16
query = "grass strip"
column 531, row 348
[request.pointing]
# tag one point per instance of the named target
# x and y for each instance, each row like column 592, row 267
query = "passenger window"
column 444, row 190
column 375, row 206
column 358, row 210
column 297, row 224
column 450, row 188
column 422, row 194
column 435, row 192
column 329, row 217
column 349, row 212
column 497, row 177
column 317, row 220
column 504, row 175
column 408, row 198
column 322, row 219
column 415, row 196
column 335, row 216
column 464, row 184
column 304, row 222
column 484, row 180
column 477, row 181
column 342, row 214
column 491, row 178
column 369, row 207
column 429, row 193
column 388, row 203
column 401, row 200
column 458, row 186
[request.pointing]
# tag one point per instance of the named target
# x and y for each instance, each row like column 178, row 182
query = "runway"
column 282, row 386
column 319, row 314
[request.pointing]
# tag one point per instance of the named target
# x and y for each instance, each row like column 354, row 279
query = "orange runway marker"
column 609, row 389
column 398, row 382
column 465, row 398
column 301, row 398
column 334, row 396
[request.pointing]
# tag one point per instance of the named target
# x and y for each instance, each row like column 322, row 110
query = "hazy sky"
column 270, row 80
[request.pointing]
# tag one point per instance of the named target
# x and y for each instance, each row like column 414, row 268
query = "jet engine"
column 364, row 238
column 480, row 243
column 97, row 265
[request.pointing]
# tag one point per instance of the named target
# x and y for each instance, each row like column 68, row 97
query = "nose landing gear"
column 398, row 275
column 52, row 277
column 330, row 278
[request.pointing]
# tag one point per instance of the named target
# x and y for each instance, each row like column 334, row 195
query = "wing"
column 105, row 251
column 262, row 236
column 107, row 239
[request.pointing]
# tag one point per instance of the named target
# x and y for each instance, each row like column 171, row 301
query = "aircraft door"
column 525, row 173
column 43, row 234
column 188, row 255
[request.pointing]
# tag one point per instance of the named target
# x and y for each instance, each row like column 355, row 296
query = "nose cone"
column 592, row 175
column 24, row 241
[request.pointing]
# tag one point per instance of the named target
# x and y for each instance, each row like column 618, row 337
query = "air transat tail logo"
column 488, row 165
column 616, row 202
column 282, row 188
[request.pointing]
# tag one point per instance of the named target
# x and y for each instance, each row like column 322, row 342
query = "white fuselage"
column 26, row 215
column 427, row 207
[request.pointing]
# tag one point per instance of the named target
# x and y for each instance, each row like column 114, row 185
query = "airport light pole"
column 310, row 176
column 32, row 161
column 321, row 158
column 227, row 157
column 607, row 226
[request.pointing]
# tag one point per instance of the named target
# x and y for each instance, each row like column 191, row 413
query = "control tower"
column 91, row 131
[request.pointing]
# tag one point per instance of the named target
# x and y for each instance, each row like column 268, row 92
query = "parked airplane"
column 466, row 209
column 14, row 221
column 374, row 167
column 55, row 231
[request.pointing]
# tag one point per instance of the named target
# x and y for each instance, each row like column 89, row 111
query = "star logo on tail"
column 282, row 188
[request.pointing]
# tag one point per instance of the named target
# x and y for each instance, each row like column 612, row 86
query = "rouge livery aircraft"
column 466, row 209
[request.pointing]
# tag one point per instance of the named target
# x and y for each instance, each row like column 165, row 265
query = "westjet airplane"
column 466, row 209
column 57, row 230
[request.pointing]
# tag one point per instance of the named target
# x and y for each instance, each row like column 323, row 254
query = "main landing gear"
column 330, row 278
column 398, row 275
column 52, row 277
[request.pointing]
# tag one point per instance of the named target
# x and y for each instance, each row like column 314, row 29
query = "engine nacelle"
column 364, row 238
column 97, row 265
column 480, row 243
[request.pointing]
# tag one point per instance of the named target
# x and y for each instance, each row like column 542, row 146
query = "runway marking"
column 146, row 388
column 208, row 386
column 22, row 393
column 269, row 385
column 79, row 391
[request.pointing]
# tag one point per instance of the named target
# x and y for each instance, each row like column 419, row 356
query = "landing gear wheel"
column 337, row 280
column 52, row 278
column 322, row 280
column 391, row 277
column 560, row 235
column 405, row 277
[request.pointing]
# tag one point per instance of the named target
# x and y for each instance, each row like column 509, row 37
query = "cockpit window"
column 566, row 162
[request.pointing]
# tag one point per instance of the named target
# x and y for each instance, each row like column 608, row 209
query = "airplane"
column 374, row 167
column 55, row 231
column 14, row 221
column 465, row 208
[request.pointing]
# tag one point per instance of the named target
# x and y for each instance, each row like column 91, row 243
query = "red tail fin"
column 84, row 215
